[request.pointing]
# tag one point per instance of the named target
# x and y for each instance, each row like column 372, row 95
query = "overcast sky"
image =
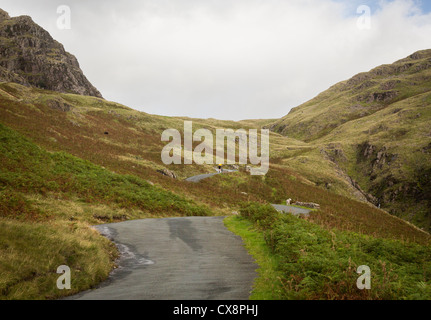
column 228, row 59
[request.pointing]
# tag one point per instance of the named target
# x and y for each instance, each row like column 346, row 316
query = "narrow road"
column 293, row 210
column 205, row 176
column 193, row 258
column 201, row 177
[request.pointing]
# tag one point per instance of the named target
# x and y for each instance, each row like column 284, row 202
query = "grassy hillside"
column 359, row 97
column 69, row 162
column 373, row 132
column 77, row 125
column 30, row 169
column 132, row 147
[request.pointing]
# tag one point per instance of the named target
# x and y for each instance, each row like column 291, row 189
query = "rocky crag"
column 31, row 57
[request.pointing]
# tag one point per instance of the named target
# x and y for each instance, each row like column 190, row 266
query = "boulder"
column 59, row 105
column 168, row 173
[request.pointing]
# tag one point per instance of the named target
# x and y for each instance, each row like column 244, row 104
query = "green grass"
column 30, row 254
column 267, row 286
column 316, row 263
column 30, row 169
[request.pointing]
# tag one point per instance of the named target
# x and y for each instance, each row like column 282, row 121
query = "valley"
column 71, row 160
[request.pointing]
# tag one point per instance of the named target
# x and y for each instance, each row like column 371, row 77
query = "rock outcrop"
column 31, row 57
column 3, row 15
column 167, row 173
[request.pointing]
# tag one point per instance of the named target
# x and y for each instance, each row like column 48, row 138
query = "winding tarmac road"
column 192, row 258
column 281, row 208
column 201, row 177
column 189, row 258
column 208, row 175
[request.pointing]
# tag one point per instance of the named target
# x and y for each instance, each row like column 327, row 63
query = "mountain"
column 374, row 132
column 30, row 56
column 69, row 160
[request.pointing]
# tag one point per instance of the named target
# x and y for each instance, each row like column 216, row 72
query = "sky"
column 228, row 59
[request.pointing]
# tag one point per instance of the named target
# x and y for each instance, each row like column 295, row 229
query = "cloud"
column 229, row 59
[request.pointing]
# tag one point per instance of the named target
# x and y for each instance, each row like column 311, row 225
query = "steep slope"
column 360, row 96
column 375, row 130
column 131, row 146
column 30, row 56
column 69, row 161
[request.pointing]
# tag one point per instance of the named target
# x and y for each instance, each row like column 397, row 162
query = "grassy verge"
column 317, row 263
column 30, row 254
column 267, row 286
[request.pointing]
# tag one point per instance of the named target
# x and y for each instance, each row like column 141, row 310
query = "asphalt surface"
column 201, row 177
column 293, row 210
column 205, row 176
column 192, row 258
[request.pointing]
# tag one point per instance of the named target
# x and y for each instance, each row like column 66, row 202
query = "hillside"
column 61, row 171
column 374, row 130
column 126, row 141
